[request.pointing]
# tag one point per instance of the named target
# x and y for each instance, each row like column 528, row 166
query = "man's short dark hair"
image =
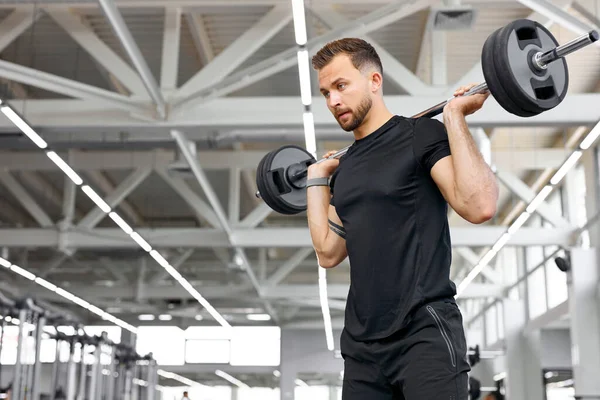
column 361, row 53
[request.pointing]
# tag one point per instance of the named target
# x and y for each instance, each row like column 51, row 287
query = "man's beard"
column 357, row 117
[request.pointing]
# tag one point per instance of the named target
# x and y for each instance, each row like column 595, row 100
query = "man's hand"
column 466, row 104
column 324, row 169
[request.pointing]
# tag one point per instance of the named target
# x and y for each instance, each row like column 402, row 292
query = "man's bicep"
column 442, row 173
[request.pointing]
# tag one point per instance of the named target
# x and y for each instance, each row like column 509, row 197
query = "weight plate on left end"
column 273, row 182
column 530, row 89
column 488, row 64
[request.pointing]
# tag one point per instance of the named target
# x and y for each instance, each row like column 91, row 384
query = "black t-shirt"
column 396, row 223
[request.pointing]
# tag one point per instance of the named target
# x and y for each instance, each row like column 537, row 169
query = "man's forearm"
column 317, row 210
column 475, row 183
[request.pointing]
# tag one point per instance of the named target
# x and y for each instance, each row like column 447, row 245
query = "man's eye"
column 341, row 85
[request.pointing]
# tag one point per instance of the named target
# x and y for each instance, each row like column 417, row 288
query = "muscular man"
column 385, row 207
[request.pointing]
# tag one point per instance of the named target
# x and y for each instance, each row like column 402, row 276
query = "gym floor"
column 169, row 264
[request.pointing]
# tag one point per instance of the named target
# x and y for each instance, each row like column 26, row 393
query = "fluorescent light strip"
column 23, row 126
column 567, row 165
column 590, row 138
column 60, row 163
column 120, row 222
column 300, row 382
column 299, row 22
column 325, row 308
column 69, row 296
column 22, row 272
column 309, row 133
column 5, row 263
column 140, row 241
column 533, row 205
column 179, row 378
column 537, row 200
column 231, row 379
column 95, row 198
column 304, row 73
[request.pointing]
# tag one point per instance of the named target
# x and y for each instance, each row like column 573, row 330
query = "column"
column 523, row 363
column 286, row 382
column 234, row 393
column 585, row 324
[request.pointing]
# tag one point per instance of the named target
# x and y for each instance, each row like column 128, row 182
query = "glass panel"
column 167, row 343
column 256, row 346
column 207, row 351
column 536, row 287
column 491, row 326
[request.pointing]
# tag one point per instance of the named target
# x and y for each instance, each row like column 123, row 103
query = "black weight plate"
column 272, row 180
column 532, row 90
column 491, row 79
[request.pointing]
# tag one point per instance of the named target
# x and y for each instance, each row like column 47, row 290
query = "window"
column 258, row 394
column 256, row 346
column 210, row 351
column 166, row 343
column 536, row 288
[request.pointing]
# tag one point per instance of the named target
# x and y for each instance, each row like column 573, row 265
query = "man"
column 385, row 207
column 185, row 396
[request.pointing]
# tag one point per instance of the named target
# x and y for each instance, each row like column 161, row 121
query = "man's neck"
column 376, row 119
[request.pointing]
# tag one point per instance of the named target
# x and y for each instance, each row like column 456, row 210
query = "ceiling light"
column 146, row 317
column 60, row 163
column 95, row 198
column 258, row 317
column 165, row 317
column 23, row 126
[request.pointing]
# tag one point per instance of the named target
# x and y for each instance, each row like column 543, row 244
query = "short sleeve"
column 331, row 185
column 430, row 142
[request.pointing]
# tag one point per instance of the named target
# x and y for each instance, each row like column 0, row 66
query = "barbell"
column 524, row 70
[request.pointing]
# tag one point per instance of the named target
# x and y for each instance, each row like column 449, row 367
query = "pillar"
column 524, row 379
column 585, row 321
column 287, row 383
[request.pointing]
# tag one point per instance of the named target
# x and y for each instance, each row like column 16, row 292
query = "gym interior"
column 147, row 249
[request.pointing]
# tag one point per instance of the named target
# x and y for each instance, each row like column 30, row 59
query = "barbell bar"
column 524, row 69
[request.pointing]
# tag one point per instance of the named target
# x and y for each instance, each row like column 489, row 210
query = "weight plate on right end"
column 529, row 88
column 488, row 64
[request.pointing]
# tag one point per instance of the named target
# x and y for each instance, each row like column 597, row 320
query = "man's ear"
column 376, row 81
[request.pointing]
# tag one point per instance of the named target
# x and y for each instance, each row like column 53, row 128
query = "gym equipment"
column 524, row 70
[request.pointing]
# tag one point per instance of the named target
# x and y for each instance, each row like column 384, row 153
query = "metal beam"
column 287, row 292
column 203, row 211
column 86, row 4
column 107, row 160
column 200, row 37
column 560, row 16
column 28, row 202
column 235, row 186
column 377, row 19
column 122, row 32
column 473, row 258
column 15, row 24
column 115, row 197
column 237, row 52
column 170, row 49
column 256, row 216
column 526, row 194
column 184, row 146
column 258, row 121
column 117, row 273
column 282, row 272
column 106, row 186
column 392, row 68
column 68, row 87
column 85, row 36
column 176, row 264
column 115, row 238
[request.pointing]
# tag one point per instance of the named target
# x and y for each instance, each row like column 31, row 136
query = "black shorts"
column 425, row 360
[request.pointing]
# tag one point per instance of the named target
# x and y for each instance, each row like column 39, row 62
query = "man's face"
column 346, row 91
